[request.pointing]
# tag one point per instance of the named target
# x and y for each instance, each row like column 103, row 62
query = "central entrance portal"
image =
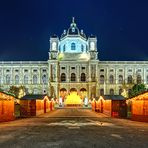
column 73, row 97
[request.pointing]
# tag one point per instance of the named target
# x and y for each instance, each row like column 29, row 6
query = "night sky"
column 121, row 27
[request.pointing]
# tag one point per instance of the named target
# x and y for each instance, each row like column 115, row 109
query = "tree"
column 18, row 92
column 125, row 89
column 137, row 89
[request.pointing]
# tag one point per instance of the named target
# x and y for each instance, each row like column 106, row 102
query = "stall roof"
column 142, row 96
column 113, row 97
column 33, row 97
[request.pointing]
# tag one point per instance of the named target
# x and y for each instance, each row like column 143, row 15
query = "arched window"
column 120, row 91
column 111, row 91
column 111, row 79
column 120, row 79
column 101, row 92
column 35, row 79
column 139, row 79
column 16, row 79
column 82, row 48
column 44, row 79
column 73, row 77
column 101, row 79
column 129, row 79
column 7, row 79
column 63, row 77
column 25, row 79
column 83, row 77
column 73, row 46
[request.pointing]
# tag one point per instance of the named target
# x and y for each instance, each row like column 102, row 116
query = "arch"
column 129, row 79
column 16, row 79
column 120, row 79
column 7, row 79
column 35, row 79
column 73, row 77
column 83, row 77
column 63, row 77
column 101, row 92
column 111, row 79
column 101, row 79
column 63, row 93
column 25, row 79
column 139, row 79
column 73, row 89
column 111, row 91
column 63, row 89
column 44, row 79
column 73, row 46
column 83, row 89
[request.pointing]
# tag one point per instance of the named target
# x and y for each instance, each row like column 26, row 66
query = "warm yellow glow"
column 73, row 99
column 60, row 56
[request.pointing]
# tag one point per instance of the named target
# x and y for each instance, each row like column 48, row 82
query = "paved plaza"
column 73, row 128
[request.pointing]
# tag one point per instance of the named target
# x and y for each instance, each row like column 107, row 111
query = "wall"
column 7, row 109
column 107, row 109
column 140, row 110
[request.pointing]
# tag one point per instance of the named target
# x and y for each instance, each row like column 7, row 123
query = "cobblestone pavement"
column 73, row 128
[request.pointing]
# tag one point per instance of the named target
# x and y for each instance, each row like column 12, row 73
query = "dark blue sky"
column 121, row 27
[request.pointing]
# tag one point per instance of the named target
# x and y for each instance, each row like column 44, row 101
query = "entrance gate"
column 73, row 97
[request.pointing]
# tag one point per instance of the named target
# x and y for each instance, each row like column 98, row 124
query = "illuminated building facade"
column 73, row 64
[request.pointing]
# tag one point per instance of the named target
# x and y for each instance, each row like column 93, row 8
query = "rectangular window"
column 25, row 70
column 63, row 67
column 83, row 67
column 111, row 70
column 35, row 70
column 44, row 70
column 120, row 70
column 16, row 70
column 72, row 67
column 101, row 70
column 130, row 70
column 139, row 70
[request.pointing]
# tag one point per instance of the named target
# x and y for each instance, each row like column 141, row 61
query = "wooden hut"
column 113, row 105
column 6, row 107
column 93, row 105
column 33, row 105
column 139, row 107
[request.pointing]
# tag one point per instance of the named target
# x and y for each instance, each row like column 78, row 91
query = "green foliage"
column 15, row 91
column 137, row 89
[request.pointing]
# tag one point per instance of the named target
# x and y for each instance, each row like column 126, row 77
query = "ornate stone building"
column 73, row 64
